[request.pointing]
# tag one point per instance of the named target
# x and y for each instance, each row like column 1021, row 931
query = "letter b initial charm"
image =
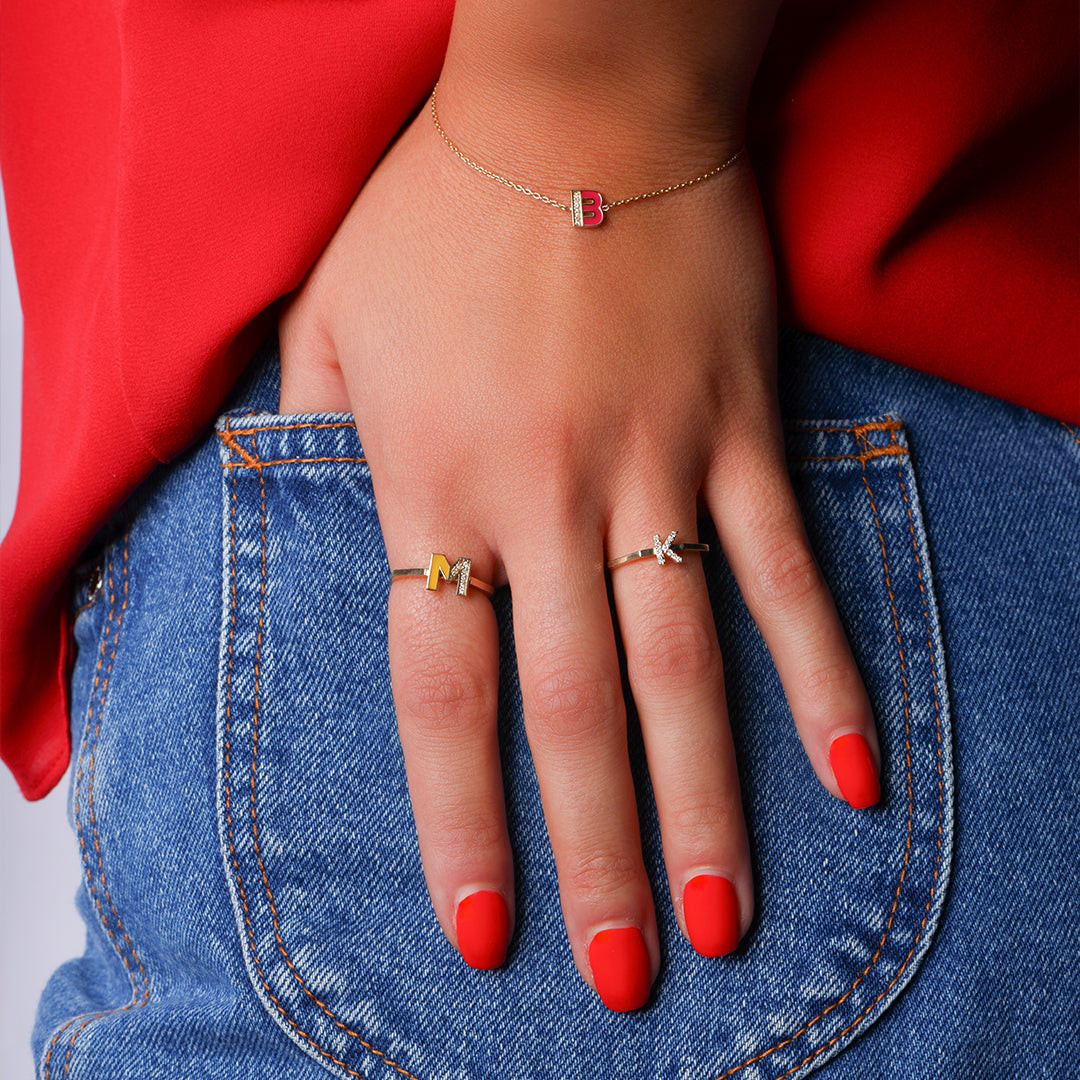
column 587, row 207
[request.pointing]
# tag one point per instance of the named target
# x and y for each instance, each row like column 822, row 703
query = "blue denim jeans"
column 253, row 893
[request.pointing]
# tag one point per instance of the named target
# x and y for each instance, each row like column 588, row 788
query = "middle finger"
column 576, row 723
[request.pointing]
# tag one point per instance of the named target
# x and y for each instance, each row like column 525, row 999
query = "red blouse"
column 171, row 169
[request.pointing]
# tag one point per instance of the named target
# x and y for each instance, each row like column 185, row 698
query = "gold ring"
column 662, row 551
column 439, row 568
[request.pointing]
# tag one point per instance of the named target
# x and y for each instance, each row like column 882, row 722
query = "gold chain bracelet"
column 586, row 208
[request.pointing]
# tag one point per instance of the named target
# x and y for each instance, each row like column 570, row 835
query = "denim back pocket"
column 320, row 853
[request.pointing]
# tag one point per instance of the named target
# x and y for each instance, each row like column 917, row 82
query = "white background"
column 39, row 858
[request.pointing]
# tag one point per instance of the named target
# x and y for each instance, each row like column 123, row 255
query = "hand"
column 541, row 399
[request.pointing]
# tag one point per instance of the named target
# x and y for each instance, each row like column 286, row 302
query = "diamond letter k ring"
column 662, row 551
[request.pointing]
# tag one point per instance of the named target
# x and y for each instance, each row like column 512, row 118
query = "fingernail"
column 853, row 766
column 483, row 929
column 620, row 966
column 711, row 909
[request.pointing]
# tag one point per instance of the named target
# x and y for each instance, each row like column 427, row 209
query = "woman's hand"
column 541, row 399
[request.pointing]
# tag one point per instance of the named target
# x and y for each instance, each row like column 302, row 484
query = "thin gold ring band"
column 439, row 568
column 661, row 550
column 419, row 571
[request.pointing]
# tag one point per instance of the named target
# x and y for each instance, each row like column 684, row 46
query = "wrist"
column 577, row 92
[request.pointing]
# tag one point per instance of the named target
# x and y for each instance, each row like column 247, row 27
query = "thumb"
column 311, row 379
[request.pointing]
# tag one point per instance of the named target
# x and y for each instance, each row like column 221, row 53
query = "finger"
column 576, row 723
column 676, row 675
column 311, row 377
column 444, row 668
column 763, row 537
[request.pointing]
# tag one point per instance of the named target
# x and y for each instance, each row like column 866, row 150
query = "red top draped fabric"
column 171, row 169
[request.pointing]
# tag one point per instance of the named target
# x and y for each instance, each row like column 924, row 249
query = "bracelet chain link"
column 491, row 175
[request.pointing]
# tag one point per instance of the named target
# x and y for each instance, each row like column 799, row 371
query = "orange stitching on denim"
column 907, row 844
column 93, row 819
column 251, row 460
column 254, row 759
column 888, row 424
column 933, row 671
column 90, row 790
column 228, row 437
column 53, row 1043
column 892, row 450
column 291, row 427
column 232, row 847
column 941, row 804
column 97, row 841
column 1070, row 431
column 866, row 450
column 907, row 753
column 86, row 1023
column 260, row 465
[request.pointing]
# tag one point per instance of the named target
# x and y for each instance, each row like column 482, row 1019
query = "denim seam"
column 260, row 465
column 941, row 798
column 889, row 423
column 907, row 845
column 45, row 1065
column 234, row 432
column 100, row 708
column 873, row 452
column 229, row 440
column 866, row 452
column 254, row 761
column 1071, row 431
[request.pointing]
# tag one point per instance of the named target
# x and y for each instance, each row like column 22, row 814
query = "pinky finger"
column 763, row 537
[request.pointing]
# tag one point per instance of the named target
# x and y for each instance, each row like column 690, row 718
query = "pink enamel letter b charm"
column 586, row 207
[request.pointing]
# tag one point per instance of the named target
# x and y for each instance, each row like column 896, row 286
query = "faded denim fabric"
column 253, row 891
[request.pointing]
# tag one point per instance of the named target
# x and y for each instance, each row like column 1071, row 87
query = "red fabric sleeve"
column 170, row 170
column 919, row 170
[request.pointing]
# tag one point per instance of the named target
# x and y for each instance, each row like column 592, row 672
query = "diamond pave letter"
column 461, row 571
column 664, row 550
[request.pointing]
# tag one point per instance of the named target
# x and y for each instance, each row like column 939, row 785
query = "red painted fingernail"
column 853, row 766
column 711, row 909
column 483, row 929
column 620, row 966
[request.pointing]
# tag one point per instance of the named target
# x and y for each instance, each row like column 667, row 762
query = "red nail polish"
column 483, row 929
column 620, row 966
column 711, row 909
column 853, row 766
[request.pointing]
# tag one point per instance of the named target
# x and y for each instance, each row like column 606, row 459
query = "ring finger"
column 676, row 675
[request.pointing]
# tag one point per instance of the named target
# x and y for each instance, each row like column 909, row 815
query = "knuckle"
column 829, row 683
column 703, row 819
column 463, row 831
column 785, row 573
column 594, row 878
column 675, row 647
column 574, row 702
column 442, row 697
